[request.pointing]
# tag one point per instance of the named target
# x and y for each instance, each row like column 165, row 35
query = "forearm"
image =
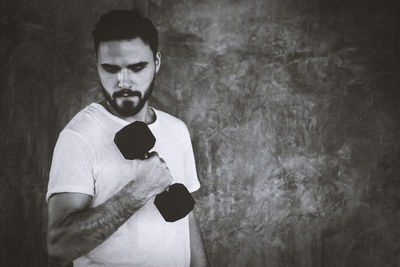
column 82, row 231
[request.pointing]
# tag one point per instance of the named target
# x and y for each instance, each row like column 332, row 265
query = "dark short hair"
column 125, row 25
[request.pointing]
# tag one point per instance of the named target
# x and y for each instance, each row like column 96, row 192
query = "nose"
column 124, row 81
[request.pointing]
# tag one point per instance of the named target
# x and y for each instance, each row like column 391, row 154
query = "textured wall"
column 293, row 107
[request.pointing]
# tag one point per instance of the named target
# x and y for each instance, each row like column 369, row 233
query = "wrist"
column 136, row 196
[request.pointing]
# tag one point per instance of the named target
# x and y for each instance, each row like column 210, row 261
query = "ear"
column 158, row 61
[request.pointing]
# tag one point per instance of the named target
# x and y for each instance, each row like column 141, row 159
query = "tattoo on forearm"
column 92, row 226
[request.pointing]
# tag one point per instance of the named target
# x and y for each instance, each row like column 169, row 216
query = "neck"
column 146, row 114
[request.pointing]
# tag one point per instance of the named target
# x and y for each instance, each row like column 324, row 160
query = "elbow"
column 55, row 256
column 56, row 252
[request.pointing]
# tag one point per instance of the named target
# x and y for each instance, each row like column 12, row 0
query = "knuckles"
column 156, row 165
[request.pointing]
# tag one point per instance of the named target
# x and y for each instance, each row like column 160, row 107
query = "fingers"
column 154, row 154
column 163, row 161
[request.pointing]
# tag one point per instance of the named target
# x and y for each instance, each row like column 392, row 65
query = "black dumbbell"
column 134, row 141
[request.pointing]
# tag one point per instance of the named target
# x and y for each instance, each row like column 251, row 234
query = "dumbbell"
column 134, row 141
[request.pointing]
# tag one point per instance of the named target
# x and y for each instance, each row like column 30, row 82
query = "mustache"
column 128, row 92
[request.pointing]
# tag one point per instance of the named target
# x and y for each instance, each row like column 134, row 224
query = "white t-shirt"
column 86, row 160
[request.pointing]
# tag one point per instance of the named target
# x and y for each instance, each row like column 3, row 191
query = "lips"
column 126, row 93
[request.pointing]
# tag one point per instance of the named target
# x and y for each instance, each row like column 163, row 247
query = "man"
column 101, row 210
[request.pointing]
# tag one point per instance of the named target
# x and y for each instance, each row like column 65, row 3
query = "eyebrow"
column 136, row 65
column 139, row 64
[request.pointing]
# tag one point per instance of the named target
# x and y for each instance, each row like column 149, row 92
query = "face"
column 127, row 71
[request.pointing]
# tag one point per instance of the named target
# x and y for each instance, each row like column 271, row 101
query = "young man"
column 101, row 210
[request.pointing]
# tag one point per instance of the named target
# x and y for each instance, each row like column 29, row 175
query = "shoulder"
column 169, row 120
column 87, row 125
column 83, row 119
column 92, row 122
column 172, row 126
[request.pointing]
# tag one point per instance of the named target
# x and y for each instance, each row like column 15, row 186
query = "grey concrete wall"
column 293, row 107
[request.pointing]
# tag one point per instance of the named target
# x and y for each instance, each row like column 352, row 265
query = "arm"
column 198, row 256
column 75, row 229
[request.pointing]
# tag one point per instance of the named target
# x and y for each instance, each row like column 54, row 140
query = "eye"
column 111, row 68
column 136, row 68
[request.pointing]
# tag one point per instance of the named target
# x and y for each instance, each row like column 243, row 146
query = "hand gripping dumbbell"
column 134, row 141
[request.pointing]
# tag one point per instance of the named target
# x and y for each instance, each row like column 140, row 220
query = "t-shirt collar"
column 122, row 121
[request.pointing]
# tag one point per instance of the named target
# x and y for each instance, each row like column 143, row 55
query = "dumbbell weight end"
column 174, row 203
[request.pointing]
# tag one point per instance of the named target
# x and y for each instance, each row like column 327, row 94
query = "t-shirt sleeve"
column 72, row 165
column 191, row 180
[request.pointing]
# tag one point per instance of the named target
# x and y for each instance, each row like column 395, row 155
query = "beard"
column 128, row 108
